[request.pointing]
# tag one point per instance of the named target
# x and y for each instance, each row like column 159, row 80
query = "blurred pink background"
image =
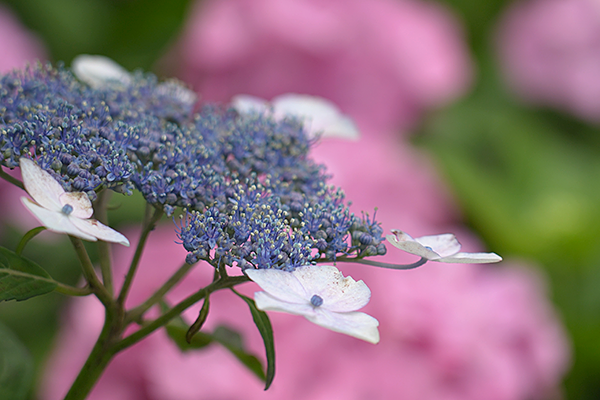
column 550, row 51
column 382, row 61
column 17, row 45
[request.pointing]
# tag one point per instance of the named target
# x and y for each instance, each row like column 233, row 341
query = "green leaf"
column 232, row 340
column 16, row 367
column 177, row 330
column 21, row 279
column 261, row 319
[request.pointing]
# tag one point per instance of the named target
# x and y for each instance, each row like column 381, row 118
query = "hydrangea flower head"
column 321, row 294
column 440, row 248
column 251, row 193
column 60, row 211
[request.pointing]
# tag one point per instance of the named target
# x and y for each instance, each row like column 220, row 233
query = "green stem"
column 178, row 309
column 417, row 264
column 97, row 361
column 72, row 291
column 10, row 179
column 89, row 273
column 148, row 225
column 135, row 313
column 100, row 212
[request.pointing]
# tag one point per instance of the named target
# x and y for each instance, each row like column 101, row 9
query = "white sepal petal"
column 55, row 221
column 319, row 293
column 52, row 211
column 405, row 242
column 99, row 230
column 339, row 293
column 178, row 91
column 40, row 185
column 99, row 71
column 356, row 324
column 82, row 206
column 443, row 245
column 322, row 116
column 471, row 258
column 247, row 104
column 440, row 248
column 265, row 302
column 279, row 284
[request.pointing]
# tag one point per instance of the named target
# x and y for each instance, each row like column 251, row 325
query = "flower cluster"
column 252, row 195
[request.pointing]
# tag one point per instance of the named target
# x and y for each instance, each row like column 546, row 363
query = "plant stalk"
column 97, row 361
column 104, row 247
column 150, row 220
column 89, row 273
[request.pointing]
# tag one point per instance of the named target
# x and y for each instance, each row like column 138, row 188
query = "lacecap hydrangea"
column 249, row 193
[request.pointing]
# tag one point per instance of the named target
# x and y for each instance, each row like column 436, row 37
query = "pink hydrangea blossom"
column 550, row 50
column 381, row 61
column 17, row 44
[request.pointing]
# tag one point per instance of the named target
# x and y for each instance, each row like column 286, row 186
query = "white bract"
column 60, row 211
column 175, row 90
column 441, row 248
column 321, row 117
column 99, row 71
column 321, row 294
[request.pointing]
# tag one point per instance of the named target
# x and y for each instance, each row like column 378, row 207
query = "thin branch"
column 11, row 179
column 177, row 310
column 414, row 265
column 150, row 220
column 137, row 312
column 104, row 247
column 72, row 290
column 89, row 273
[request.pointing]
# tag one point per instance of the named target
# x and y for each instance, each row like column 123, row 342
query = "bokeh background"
column 492, row 110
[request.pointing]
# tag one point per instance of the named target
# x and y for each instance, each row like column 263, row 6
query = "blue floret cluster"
column 250, row 194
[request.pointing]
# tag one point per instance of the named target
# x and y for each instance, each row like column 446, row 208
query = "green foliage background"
column 527, row 178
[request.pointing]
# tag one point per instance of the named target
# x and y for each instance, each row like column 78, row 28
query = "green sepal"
column 16, row 367
column 21, row 279
column 262, row 322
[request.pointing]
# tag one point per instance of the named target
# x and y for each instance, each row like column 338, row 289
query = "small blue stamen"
column 67, row 209
column 316, row 300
